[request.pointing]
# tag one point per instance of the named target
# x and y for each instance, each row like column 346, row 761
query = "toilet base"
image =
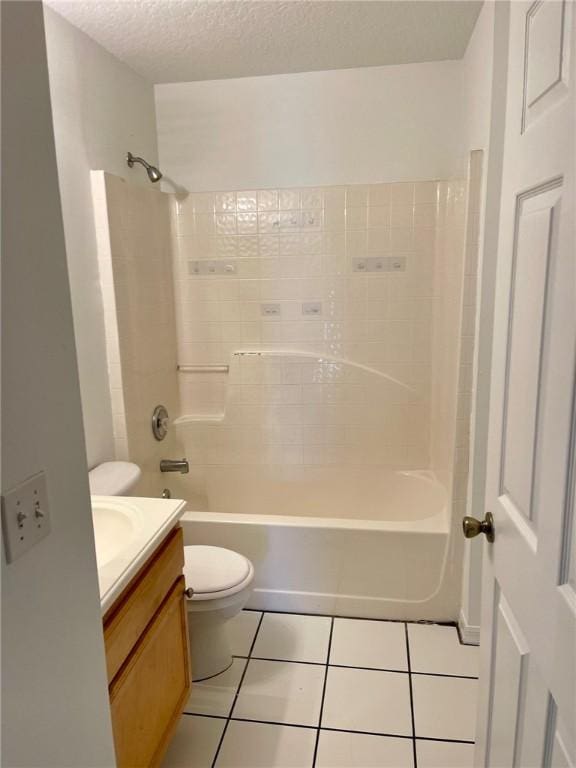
column 209, row 649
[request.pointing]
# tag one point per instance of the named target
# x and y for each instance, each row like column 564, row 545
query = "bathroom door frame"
column 527, row 697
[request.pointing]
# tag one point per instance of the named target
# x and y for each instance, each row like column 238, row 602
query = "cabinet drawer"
column 127, row 619
column 147, row 697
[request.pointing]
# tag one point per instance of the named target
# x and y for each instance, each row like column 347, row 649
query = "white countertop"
column 127, row 531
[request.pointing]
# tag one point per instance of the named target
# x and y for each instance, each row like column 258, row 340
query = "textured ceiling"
column 181, row 40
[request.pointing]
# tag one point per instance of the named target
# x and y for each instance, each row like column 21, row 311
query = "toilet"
column 220, row 580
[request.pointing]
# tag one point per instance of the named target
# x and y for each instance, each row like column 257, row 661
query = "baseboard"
column 469, row 633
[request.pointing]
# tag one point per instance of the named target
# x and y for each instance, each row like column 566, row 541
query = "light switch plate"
column 25, row 516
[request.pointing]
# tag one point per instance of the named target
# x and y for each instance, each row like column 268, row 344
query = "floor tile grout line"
column 274, row 723
column 354, row 666
column 285, row 661
column 411, row 697
column 326, row 728
column 417, row 622
column 204, row 714
column 253, row 643
column 228, row 719
column 327, row 665
column 357, row 618
column 445, row 674
column 397, row 736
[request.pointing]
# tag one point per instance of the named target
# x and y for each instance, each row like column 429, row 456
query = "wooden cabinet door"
column 128, row 618
column 147, row 696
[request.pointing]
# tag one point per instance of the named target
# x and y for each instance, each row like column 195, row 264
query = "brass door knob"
column 473, row 527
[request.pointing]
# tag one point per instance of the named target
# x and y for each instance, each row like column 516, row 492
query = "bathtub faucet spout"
column 174, row 465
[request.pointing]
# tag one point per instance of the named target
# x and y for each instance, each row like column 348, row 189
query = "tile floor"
column 321, row 692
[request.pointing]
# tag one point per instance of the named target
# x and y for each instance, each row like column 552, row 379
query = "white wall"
column 351, row 126
column 477, row 80
column 54, row 685
column 101, row 110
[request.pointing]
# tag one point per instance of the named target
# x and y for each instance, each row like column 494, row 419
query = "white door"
column 527, row 709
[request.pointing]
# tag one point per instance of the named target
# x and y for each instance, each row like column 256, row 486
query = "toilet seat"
column 215, row 572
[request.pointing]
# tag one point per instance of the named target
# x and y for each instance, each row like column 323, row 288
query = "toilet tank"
column 114, row 478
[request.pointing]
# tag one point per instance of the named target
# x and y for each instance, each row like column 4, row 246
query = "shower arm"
column 153, row 173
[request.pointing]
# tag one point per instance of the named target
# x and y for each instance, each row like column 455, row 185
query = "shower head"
column 153, row 173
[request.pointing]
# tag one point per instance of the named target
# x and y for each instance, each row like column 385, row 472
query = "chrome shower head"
column 153, row 172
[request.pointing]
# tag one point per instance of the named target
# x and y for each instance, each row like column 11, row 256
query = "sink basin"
column 116, row 525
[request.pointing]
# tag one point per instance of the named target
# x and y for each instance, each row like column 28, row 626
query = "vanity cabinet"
column 147, row 656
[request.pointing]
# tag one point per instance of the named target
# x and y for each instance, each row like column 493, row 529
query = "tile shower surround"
column 356, row 380
column 239, row 253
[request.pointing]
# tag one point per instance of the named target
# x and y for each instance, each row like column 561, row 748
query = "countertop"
column 148, row 523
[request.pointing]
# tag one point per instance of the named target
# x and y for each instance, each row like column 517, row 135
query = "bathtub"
column 364, row 542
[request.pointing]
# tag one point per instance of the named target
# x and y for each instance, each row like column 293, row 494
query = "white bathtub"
column 364, row 542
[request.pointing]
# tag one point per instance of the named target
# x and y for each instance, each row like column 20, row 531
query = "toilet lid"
column 213, row 569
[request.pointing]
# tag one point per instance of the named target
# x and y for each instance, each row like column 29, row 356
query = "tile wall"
column 446, row 320
column 467, row 331
column 340, row 281
column 453, row 324
column 135, row 262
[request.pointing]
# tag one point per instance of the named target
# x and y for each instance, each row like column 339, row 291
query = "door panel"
column 546, row 58
column 509, row 665
column 535, row 220
column 532, row 738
